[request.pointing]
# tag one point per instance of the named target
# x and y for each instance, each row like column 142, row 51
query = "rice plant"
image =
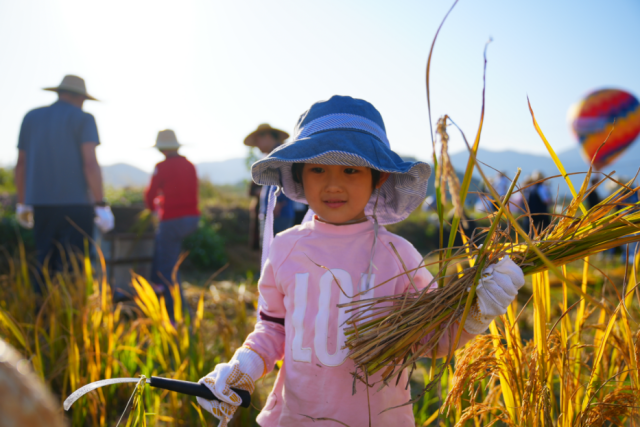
column 73, row 335
column 560, row 377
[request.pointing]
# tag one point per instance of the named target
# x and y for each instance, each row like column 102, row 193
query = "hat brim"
column 404, row 190
column 250, row 140
column 56, row 89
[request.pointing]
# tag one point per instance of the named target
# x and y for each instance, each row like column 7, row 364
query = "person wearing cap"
column 58, row 179
column 539, row 202
column 267, row 139
column 173, row 193
column 339, row 162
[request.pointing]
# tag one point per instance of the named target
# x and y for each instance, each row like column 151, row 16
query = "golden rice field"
column 565, row 354
column 554, row 359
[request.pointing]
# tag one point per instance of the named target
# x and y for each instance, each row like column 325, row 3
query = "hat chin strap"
column 376, row 226
column 267, row 236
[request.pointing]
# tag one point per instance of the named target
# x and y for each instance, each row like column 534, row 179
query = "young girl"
column 340, row 163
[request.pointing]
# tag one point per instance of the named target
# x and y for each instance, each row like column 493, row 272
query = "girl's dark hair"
column 296, row 171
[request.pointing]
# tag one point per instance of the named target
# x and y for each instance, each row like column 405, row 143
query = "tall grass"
column 74, row 335
column 573, row 371
column 580, row 367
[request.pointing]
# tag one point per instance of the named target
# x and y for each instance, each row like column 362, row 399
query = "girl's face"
column 338, row 194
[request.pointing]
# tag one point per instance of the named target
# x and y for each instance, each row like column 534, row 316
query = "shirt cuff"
column 251, row 363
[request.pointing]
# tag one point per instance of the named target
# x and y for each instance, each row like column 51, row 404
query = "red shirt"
column 176, row 180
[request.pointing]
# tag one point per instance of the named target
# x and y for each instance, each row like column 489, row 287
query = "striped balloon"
column 593, row 118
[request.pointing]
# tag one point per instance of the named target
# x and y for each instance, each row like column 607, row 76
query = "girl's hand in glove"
column 498, row 287
column 244, row 368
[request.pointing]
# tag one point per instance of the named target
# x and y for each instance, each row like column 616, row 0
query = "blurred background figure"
column 484, row 204
column 539, row 201
column 266, row 139
column 58, row 179
column 300, row 210
column 173, row 195
column 630, row 247
column 501, row 183
column 254, row 215
column 516, row 202
column 429, row 204
column 593, row 198
column 26, row 401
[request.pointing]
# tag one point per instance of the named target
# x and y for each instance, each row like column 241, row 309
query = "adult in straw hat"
column 266, row 139
column 173, row 194
column 58, row 179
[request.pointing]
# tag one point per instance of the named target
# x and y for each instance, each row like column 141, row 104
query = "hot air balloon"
column 596, row 115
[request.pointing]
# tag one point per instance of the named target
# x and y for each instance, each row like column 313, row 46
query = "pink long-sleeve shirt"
column 299, row 322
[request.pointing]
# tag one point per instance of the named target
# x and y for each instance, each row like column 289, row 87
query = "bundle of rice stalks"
column 392, row 332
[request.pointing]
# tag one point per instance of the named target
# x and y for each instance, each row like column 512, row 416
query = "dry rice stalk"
column 397, row 330
column 532, row 386
column 445, row 173
column 616, row 405
column 476, row 362
column 480, row 409
column 638, row 345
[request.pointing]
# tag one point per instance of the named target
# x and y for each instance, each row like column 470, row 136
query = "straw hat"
column 250, row 140
column 73, row 84
column 167, row 140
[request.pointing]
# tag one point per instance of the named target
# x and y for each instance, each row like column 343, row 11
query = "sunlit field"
column 566, row 353
column 554, row 358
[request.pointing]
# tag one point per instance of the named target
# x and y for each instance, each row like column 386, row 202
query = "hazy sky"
column 213, row 71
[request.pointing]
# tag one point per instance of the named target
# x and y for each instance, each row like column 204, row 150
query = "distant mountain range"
column 229, row 171
column 124, row 175
column 233, row 171
column 509, row 161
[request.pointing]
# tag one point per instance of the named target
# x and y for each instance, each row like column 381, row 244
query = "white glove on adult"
column 104, row 218
column 497, row 289
column 24, row 215
column 242, row 371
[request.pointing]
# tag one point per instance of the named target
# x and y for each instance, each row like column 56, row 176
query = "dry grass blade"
column 445, row 172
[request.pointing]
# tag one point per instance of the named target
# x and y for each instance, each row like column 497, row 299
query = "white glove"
column 498, row 287
column 242, row 371
column 104, row 218
column 24, row 215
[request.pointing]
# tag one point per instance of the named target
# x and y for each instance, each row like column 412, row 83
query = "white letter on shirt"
column 300, row 354
column 322, row 319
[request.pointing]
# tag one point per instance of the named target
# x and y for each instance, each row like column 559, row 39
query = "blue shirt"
column 285, row 204
column 51, row 138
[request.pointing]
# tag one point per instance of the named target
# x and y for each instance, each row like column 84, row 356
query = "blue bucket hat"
column 349, row 132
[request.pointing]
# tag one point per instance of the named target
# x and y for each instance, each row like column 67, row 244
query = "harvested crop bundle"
column 391, row 333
